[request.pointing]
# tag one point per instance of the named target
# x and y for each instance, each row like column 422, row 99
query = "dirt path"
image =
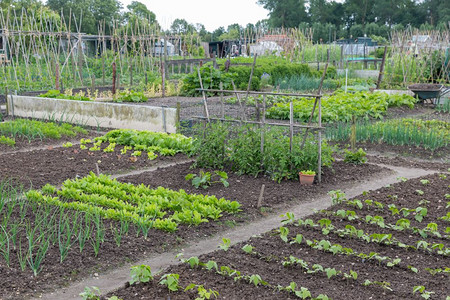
column 115, row 279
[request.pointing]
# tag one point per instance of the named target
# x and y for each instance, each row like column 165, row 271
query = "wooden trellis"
column 260, row 114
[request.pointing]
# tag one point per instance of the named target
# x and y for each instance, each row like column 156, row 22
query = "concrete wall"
column 109, row 115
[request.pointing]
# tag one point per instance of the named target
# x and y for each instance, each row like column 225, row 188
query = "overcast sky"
column 211, row 13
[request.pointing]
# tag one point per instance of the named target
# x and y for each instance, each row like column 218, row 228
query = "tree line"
column 327, row 20
column 354, row 18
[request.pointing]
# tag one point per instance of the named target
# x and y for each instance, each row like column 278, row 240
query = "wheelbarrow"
column 429, row 92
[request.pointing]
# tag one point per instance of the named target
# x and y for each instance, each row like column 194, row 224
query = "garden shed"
column 159, row 48
column 266, row 48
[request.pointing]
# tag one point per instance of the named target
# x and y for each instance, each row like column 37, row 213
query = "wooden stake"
column 177, row 121
column 353, row 134
column 380, row 75
column 114, row 78
column 204, row 95
column 222, row 105
column 57, row 76
column 243, row 116
column 261, row 196
column 291, row 125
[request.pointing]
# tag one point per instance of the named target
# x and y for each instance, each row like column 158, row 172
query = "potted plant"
column 307, row 177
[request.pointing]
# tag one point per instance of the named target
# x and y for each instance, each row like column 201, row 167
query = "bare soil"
column 18, row 284
column 55, row 164
column 270, row 251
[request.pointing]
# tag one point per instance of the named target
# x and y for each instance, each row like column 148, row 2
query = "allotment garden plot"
column 390, row 243
column 76, row 222
column 118, row 150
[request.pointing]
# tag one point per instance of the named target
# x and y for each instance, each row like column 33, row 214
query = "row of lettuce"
column 148, row 208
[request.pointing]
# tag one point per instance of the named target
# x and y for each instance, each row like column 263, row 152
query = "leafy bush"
column 131, row 96
column 55, row 94
column 276, row 67
column 242, row 150
column 211, row 79
column 209, row 145
column 355, row 157
column 304, row 83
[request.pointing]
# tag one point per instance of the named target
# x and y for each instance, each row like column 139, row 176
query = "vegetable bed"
column 97, row 257
column 24, row 133
column 116, row 151
column 391, row 243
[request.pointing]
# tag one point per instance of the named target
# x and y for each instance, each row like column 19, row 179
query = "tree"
column 372, row 29
column 217, row 33
column 138, row 15
column 262, row 25
column 356, row 31
column 359, row 12
column 32, row 13
column 91, row 12
column 181, row 26
column 285, row 13
column 232, row 34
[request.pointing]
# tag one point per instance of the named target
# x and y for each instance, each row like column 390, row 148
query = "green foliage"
column 90, row 293
column 305, row 83
column 131, row 96
column 55, row 94
column 429, row 134
column 248, row 248
column 32, row 129
column 342, row 107
column 210, row 145
column 205, row 179
column 140, row 205
column 171, row 281
column 219, row 144
column 355, row 157
column 308, row 172
column 225, row 244
column 142, row 273
column 203, row 293
column 276, row 67
column 7, row 141
column 211, row 79
column 165, row 144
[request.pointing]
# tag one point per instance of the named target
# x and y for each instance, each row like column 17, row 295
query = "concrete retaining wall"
column 97, row 114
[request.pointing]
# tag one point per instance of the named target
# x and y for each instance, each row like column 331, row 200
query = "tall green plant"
column 210, row 145
column 241, row 148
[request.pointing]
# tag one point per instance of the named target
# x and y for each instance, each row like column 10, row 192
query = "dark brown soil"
column 409, row 163
column 249, row 187
column 17, row 284
column 54, row 165
column 269, row 251
column 425, row 87
column 23, row 144
column 402, row 151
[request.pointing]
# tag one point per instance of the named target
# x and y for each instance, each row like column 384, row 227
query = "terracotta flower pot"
column 306, row 179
